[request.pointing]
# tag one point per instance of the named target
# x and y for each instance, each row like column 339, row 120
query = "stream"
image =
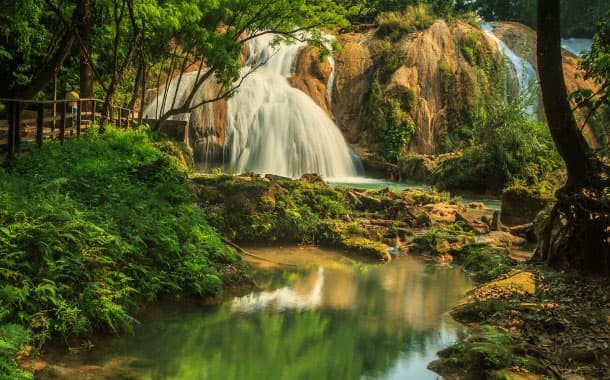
column 318, row 315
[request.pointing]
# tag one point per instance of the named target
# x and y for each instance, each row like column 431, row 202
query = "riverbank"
column 533, row 323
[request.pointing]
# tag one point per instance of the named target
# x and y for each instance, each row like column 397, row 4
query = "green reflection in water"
column 348, row 322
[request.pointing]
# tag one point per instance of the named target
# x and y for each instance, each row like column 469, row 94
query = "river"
column 319, row 314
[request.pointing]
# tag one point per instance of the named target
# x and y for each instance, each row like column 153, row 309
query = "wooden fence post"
column 93, row 108
column 39, row 124
column 11, row 130
column 62, row 126
column 78, row 117
column 17, row 135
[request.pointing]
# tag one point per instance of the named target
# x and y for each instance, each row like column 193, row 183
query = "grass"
column 394, row 25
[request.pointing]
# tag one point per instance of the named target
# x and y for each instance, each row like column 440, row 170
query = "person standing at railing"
column 72, row 97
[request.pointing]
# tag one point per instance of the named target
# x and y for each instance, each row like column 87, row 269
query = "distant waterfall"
column 521, row 68
column 275, row 128
column 577, row 46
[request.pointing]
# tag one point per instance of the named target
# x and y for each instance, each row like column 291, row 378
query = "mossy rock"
column 521, row 205
column 366, row 247
column 478, row 311
column 483, row 355
column 516, row 282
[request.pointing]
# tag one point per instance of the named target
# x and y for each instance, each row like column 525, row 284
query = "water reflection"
column 350, row 321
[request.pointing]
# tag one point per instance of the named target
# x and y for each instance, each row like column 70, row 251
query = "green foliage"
column 396, row 24
column 389, row 117
column 387, row 60
column 577, row 18
column 12, row 338
column 475, row 51
column 596, row 65
column 95, row 227
column 504, row 144
column 485, row 263
column 256, row 210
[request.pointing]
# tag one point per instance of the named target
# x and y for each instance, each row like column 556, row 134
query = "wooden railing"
column 17, row 126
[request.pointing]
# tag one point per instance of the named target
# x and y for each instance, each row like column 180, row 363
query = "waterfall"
column 522, row 70
column 577, row 46
column 202, row 134
column 275, row 128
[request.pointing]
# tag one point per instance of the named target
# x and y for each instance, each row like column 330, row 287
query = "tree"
column 576, row 234
column 36, row 41
column 217, row 31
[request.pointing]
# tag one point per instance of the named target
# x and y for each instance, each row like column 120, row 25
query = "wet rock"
column 520, row 206
column 313, row 179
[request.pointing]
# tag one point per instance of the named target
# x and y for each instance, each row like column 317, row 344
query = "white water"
column 274, row 128
column 523, row 71
column 577, row 46
column 285, row 298
column 202, row 136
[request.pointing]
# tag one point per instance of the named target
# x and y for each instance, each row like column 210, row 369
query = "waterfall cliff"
column 275, row 128
column 520, row 70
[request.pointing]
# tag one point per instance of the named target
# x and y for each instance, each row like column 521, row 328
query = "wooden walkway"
column 35, row 121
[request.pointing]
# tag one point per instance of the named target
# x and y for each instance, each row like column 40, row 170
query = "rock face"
column 352, row 78
column 311, row 76
column 424, row 52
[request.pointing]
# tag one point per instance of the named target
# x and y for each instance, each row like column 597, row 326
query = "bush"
column 92, row 229
column 12, row 339
column 396, row 24
column 505, row 145
column 392, row 124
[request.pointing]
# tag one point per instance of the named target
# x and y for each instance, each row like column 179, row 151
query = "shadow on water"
column 331, row 318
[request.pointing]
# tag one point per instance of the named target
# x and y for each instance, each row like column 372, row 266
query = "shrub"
column 396, row 24
column 92, row 229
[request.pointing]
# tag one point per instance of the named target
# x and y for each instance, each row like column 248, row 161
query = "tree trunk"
column 576, row 233
column 84, row 31
column 568, row 139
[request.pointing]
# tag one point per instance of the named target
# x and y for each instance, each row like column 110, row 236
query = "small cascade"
column 577, row 46
column 331, row 82
column 274, row 128
column 202, row 134
column 522, row 70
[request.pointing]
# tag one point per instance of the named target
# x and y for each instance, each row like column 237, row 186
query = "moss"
column 478, row 311
column 274, row 209
column 365, row 247
column 484, row 355
column 485, row 263
column 343, row 235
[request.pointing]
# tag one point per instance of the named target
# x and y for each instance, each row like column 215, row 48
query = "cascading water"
column 274, row 128
column 202, row 136
column 522, row 69
column 577, row 46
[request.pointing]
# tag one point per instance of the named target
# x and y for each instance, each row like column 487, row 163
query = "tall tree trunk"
column 576, row 233
column 84, row 31
column 568, row 139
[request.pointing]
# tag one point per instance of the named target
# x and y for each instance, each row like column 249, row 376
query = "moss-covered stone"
column 521, row 205
column 252, row 209
column 485, row 354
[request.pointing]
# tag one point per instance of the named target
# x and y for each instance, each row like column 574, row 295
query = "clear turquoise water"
column 328, row 317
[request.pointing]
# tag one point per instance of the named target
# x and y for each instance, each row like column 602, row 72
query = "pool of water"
column 318, row 315
column 378, row 184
